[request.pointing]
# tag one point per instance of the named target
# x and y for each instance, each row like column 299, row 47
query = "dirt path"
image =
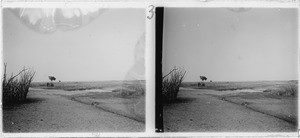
column 195, row 111
column 48, row 112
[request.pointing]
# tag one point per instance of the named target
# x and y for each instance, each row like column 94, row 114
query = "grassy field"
column 255, row 85
column 275, row 98
column 126, row 98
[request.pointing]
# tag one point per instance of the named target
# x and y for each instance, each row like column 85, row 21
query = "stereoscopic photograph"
column 229, row 69
column 73, row 70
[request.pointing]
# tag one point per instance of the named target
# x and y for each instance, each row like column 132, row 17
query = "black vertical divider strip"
column 159, row 16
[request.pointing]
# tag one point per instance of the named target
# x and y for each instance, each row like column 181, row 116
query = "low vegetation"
column 16, row 87
column 126, row 88
column 285, row 90
column 77, row 86
column 267, row 86
column 171, row 83
column 132, row 89
column 289, row 90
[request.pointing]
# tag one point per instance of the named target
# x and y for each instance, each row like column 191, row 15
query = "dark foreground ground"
column 77, row 107
column 232, row 107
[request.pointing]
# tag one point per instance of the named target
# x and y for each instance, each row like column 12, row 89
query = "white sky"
column 100, row 50
column 259, row 44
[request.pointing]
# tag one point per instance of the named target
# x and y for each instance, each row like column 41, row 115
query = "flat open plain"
column 57, row 110
column 232, row 108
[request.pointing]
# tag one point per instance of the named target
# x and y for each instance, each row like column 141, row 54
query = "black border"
column 159, row 17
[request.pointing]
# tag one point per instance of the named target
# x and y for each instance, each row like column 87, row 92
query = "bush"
column 288, row 90
column 284, row 90
column 171, row 83
column 133, row 88
column 16, row 87
column 49, row 84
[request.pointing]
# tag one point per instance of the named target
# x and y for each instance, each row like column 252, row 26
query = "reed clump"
column 16, row 87
column 171, row 84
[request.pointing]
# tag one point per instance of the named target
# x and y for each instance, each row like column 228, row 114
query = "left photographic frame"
column 73, row 70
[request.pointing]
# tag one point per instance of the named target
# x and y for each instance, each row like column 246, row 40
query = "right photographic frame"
column 227, row 69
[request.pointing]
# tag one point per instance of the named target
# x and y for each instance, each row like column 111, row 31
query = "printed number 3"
column 151, row 11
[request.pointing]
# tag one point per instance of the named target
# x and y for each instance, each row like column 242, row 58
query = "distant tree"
column 203, row 78
column 52, row 78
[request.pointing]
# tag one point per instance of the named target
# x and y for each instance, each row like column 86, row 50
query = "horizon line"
column 88, row 81
column 243, row 80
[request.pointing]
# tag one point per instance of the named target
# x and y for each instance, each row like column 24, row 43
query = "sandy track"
column 195, row 111
column 48, row 112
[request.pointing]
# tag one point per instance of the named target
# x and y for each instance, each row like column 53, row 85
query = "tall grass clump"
column 15, row 87
column 171, row 83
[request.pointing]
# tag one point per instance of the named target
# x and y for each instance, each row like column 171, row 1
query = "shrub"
column 171, row 83
column 284, row 90
column 15, row 88
column 133, row 88
column 49, row 84
column 288, row 90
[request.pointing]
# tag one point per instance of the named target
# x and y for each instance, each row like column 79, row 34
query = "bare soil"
column 202, row 110
column 55, row 111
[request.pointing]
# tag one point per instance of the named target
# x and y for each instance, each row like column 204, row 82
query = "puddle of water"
column 93, row 90
column 62, row 92
column 243, row 90
column 215, row 92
